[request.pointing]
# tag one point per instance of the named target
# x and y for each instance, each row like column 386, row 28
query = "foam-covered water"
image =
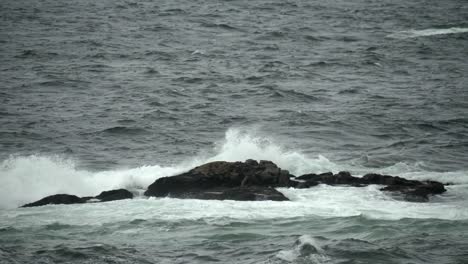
column 115, row 94
column 34, row 177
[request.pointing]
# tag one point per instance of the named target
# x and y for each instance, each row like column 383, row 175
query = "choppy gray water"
column 104, row 94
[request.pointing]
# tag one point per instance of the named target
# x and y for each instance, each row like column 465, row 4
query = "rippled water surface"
column 97, row 95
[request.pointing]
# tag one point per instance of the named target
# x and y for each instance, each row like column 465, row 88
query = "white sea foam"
column 321, row 201
column 26, row 179
column 427, row 32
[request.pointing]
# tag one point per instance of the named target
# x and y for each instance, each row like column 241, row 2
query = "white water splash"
column 26, row 179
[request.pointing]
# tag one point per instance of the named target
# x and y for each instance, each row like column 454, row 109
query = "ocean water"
column 97, row 95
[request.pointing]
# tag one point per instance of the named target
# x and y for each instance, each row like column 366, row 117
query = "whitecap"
column 427, row 32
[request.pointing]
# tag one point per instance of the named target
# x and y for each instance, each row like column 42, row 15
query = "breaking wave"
column 25, row 179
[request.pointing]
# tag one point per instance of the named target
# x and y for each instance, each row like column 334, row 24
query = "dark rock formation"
column 410, row 189
column 105, row 196
column 419, row 192
column 56, row 199
column 250, row 180
column 221, row 180
column 113, row 195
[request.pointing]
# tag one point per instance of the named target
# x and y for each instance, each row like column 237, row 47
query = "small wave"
column 57, row 226
column 53, row 83
column 315, row 38
column 172, row 12
column 189, row 80
column 123, row 130
column 151, row 70
column 272, row 35
column 353, row 90
column 70, row 253
column 294, row 94
column 221, row 26
column 427, row 32
column 160, row 55
column 306, row 249
column 27, row 54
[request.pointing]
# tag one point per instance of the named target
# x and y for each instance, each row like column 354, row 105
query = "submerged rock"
column 105, row 196
column 221, row 180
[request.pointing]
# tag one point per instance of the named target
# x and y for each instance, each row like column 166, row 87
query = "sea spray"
column 24, row 179
column 33, row 177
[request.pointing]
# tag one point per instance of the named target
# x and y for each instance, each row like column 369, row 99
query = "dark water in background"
column 131, row 83
column 92, row 91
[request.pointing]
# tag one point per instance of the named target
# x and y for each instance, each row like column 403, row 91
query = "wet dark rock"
column 252, row 181
column 303, row 184
column 343, row 177
column 306, row 177
column 56, row 199
column 105, row 196
column 114, row 195
column 374, row 178
column 411, row 190
column 221, row 180
column 418, row 192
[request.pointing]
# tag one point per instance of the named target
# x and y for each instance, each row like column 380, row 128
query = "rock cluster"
column 253, row 181
column 411, row 190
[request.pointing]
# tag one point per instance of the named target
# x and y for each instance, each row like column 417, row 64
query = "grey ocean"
column 98, row 95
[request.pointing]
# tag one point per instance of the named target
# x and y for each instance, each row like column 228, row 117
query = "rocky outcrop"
column 419, row 192
column 221, row 180
column 56, row 199
column 252, row 181
column 113, row 195
column 411, row 190
column 105, row 196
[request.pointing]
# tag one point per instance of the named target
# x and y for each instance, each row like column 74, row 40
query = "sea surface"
column 98, row 95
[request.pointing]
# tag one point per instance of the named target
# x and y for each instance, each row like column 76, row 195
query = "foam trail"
column 427, row 32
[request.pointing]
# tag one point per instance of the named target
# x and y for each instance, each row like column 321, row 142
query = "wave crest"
column 427, row 32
